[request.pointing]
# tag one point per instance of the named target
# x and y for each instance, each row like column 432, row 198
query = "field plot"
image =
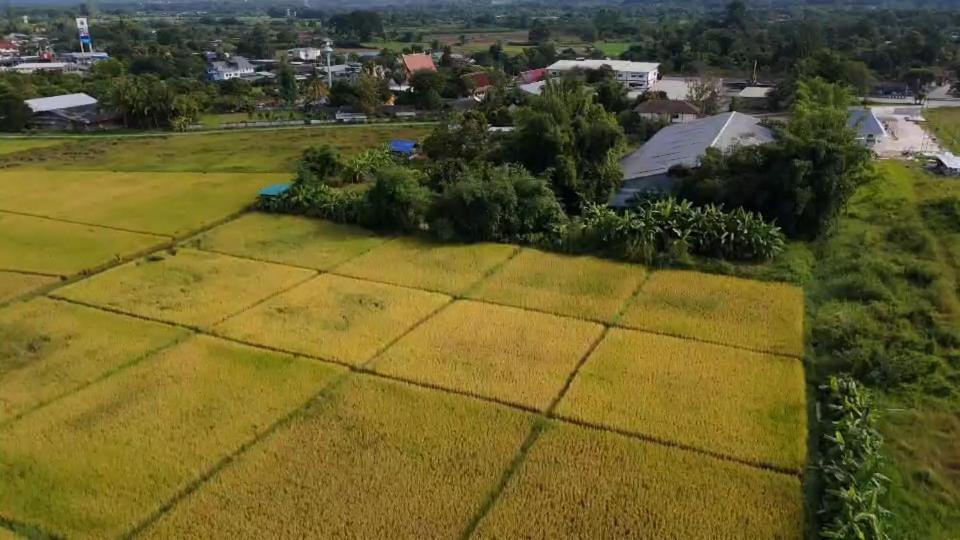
column 159, row 203
column 14, row 284
column 11, row 146
column 333, row 317
column 46, row 246
column 373, row 459
column 584, row 287
column 446, row 268
column 98, row 462
column 191, row 287
column 746, row 405
column 945, row 123
column 504, row 353
column 238, row 151
column 48, row 348
column 765, row 317
column 289, row 240
column 577, row 483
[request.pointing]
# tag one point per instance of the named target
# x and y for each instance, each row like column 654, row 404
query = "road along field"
column 277, row 376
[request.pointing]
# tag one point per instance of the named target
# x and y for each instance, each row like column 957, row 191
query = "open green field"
column 945, row 124
column 256, row 150
column 266, row 376
column 11, row 145
column 613, row 49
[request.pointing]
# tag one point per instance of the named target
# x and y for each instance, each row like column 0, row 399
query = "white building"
column 342, row 72
column 30, row 67
column 307, row 54
column 231, row 68
column 633, row 75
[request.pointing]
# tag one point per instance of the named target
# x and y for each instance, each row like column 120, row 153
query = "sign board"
column 83, row 28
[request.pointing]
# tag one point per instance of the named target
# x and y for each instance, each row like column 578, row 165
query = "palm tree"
column 315, row 91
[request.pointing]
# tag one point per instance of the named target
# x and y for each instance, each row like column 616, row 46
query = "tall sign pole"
column 83, row 29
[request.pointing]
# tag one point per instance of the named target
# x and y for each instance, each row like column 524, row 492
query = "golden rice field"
column 288, row 240
column 585, row 287
column 446, row 268
column 335, row 318
column 189, row 287
column 373, row 459
column 731, row 311
column 14, row 284
column 50, row 348
column 498, row 352
column 97, row 462
column 44, row 246
column 581, row 483
column 170, row 370
column 641, row 383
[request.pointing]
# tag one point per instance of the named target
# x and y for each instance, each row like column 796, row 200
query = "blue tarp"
column 402, row 146
column 274, row 190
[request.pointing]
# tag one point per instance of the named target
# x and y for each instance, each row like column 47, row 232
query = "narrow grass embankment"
column 945, row 124
column 882, row 304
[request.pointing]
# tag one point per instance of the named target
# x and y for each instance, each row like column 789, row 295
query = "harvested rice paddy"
column 14, row 284
column 374, row 459
column 100, row 461
column 584, row 287
column 498, row 352
column 189, row 287
column 446, row 268
column 158, row 203
column 49, row 348
column 289, row 240
column 755, row 315
column 580, row 483
column 335, row 318
column 745, row 405
column 44, row 246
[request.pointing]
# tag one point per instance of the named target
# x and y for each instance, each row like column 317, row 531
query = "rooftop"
column 865, row 122
column 616, row 65
column 666, row 106
column 417, row 62
column 684, row 144
column 66, row 101
column 949, row 160
column 755, row 92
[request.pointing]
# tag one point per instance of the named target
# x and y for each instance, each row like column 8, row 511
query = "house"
column 754, row 97
column 671, row 111
column 647, row 168
column 8, row 48
column 85, row 58
column 69, row 112
column 349, row 72
column 947, row 164
column 478, row 83
column 634, row 75
column 869, row 128
column 892, row 90
column 532, row 76
column 31, row 67
column 308, row 54
column 404, row 147
column 231, row 68
column 350, row 116
column 413, row 63
column 534, row 88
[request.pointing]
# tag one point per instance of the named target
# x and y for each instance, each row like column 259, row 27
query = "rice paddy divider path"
column 86, row 224
column 363, row 369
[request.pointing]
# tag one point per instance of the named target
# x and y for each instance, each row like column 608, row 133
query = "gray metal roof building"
column 683, row 144
column 66, row 101
column 866, row 123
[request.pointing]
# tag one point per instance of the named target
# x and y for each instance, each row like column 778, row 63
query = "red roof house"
column 532, row 76
column 418, row 62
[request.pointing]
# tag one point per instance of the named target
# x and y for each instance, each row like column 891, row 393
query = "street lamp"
column 329, row 50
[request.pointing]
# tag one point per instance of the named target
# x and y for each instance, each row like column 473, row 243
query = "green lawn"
column 213, row 120
column 613, row 49
column 945, row 123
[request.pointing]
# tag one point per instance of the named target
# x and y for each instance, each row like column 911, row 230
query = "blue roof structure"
column 403, row 146
column 274, row 190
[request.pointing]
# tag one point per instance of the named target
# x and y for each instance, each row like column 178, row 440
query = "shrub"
column 850, row 463
column 316, row 200
column 363, row 166
column 398, row 201
column 322, row 162
column 503, row 203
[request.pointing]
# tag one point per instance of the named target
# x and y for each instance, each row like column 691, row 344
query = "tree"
column 14, row 113
column 287, row 84
column 320, row 163
column 255, row 43
column 704, row 94
column 315, row 91
column 464, row 136
column 398, row 201
column 426, row 86
column 539, row 32
column 358, row 24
